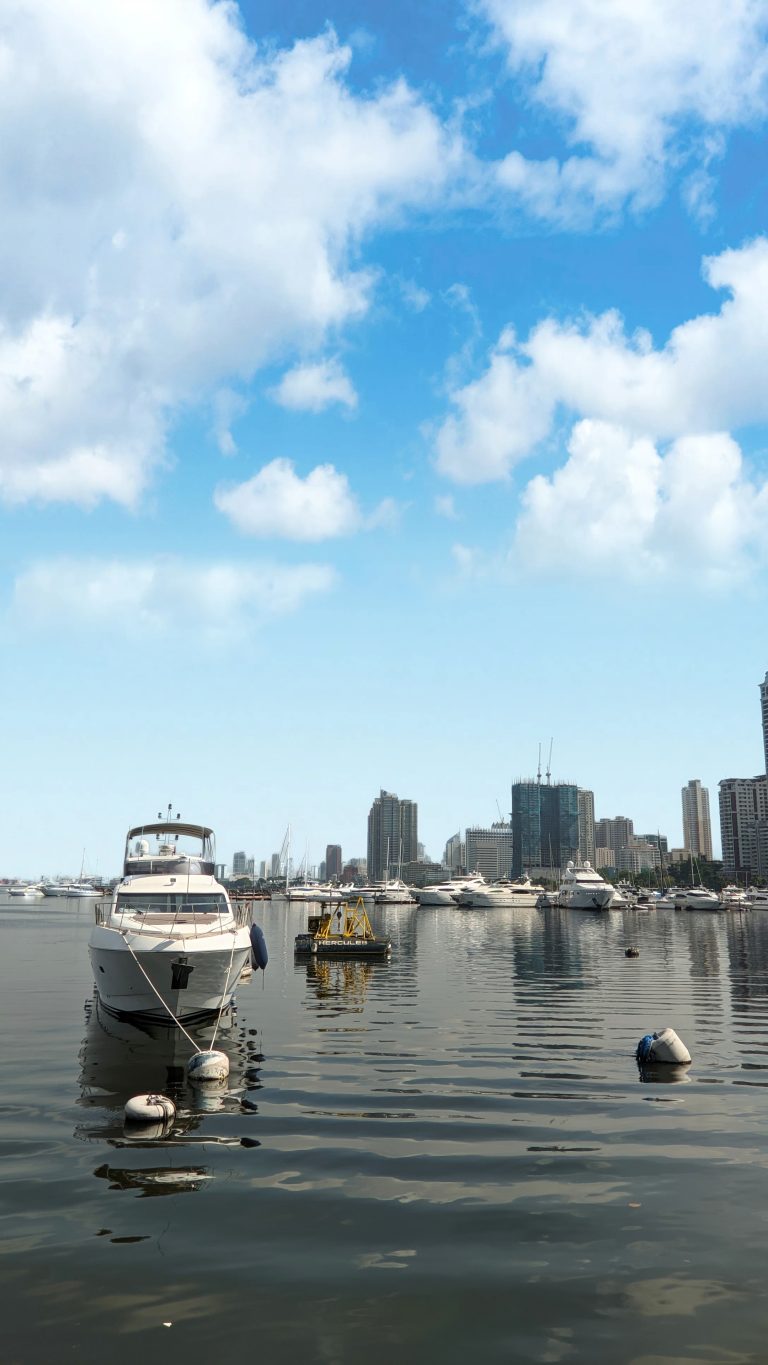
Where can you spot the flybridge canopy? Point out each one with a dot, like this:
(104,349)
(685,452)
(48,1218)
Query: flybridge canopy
(171,827)
(172,854)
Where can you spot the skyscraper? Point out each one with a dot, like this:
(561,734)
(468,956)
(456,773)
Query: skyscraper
(333,863)
(239,864)
(586,825)
(697,831)
(392,834)
(489,851)
(744,825)
(764,710)
(545,825)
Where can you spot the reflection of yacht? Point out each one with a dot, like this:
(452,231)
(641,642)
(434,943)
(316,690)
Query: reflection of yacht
(582,888)
(120,1058)
(448,893)
(518,894)
(169,947)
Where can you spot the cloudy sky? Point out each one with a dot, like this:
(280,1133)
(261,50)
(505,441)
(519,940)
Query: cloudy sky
(383,391)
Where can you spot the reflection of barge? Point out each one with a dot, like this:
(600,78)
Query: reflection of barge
(342,932)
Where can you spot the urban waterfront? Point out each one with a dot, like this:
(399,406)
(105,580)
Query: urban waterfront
(452,1153)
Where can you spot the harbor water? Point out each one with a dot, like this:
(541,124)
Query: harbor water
(450,1156)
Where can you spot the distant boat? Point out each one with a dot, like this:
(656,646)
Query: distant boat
(697,898)
(518,895)
(71,890)
(448,893)
(28,891)
(582,888)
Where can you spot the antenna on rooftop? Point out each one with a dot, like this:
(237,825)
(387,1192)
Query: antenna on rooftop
(549,763)
(538,774)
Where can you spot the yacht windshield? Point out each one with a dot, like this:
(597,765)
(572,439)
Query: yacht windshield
(161,903)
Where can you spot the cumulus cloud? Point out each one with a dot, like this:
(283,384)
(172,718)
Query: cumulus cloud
(179,208)
(313,387)
(278,502)
(164,594)
(618,505)
(709,376)
(639,86)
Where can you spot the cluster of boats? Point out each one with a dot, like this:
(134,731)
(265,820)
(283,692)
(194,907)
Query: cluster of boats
(581,888)
(69,890)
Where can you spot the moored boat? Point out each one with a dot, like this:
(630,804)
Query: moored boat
(520,894)
(344,932)
(582,888)
(169,948)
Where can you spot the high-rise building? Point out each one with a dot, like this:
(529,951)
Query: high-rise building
(274,865)
(545,825)
(262,869)
(744,825)
(697,831)
(239,864)
(659,844)
(489,851)
(333,863)
(392,834)
(764,711)
(617,834)
(455,853)
(586,825)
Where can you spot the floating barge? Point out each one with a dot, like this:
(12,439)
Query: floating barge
(342,931)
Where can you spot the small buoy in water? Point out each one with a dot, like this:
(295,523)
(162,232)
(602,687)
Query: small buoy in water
(632,952)
(150,1109)
(663,1046)
(208,1066)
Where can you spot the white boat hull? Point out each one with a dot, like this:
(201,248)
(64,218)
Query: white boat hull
(599,898)
(437,897)
(193,977)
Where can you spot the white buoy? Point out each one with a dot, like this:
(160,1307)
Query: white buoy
(667,1047)
(150,1109)
(663,1046)
(208,1066)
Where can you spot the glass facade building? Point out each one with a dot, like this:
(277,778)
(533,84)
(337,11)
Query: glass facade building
(545,825)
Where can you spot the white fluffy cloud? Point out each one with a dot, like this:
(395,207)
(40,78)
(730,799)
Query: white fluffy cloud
(617,505)
(709,376)
(164,594)
(278,502)
(313,387)
(641,85)
(178,207)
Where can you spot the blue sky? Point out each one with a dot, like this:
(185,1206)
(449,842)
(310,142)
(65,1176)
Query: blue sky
(382,392)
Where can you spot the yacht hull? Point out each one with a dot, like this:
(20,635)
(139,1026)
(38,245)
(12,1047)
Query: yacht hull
(194,979)
(598,899)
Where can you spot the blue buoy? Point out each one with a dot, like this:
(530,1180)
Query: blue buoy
(259,954)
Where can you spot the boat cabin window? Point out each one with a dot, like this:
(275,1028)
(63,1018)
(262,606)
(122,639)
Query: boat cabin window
(160,903)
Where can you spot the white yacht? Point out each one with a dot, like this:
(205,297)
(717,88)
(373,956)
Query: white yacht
(519,895)
(74,890)
(393,891)
(697,898)
(448,893)
(582,888)
(756,898)
(169,947)
(28,891)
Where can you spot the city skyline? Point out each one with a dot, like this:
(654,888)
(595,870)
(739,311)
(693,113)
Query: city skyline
(378,403)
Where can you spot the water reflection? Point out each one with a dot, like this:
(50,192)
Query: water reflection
(120,1059)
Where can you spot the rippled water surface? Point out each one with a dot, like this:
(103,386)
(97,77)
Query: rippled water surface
(449,1157)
